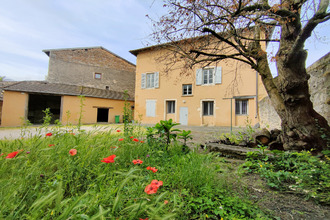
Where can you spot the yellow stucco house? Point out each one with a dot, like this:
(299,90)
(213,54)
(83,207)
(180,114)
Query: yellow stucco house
(220,94)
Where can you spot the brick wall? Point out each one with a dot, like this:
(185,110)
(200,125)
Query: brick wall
(77,67)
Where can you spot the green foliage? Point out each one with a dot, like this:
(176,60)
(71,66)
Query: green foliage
(128,116)
(298,172)
(45,182)
(164,132)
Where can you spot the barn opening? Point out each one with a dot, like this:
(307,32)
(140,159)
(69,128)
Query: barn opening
(39,103)
(102,114)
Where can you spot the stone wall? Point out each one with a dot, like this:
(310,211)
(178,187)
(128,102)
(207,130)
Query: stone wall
(319,87)
(78,66)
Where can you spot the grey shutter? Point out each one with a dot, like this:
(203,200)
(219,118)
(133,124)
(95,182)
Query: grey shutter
(151,108)
(156,80)
(199,76)
(218,75)
(143,81)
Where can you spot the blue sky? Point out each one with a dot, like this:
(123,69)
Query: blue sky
(29,26)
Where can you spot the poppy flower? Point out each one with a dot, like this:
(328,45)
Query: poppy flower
(51,145)
(151,189)
(157,183)
(118,130)
(121,139)
(73,152)
(49,134)
(137,161)
(72,133)
(1,154)
(131,137)
(166,202)
(12,154)
(143,218)
(113,147)
(109,159)
(153,169)
(142,141)
(136,140)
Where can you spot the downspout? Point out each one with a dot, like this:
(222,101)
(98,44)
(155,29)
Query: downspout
(256,116)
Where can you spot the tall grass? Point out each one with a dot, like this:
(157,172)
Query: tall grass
(45,181)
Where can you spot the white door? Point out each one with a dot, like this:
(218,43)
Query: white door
(184,115)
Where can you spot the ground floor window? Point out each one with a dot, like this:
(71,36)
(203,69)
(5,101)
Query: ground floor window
(208,108)
(170,107)
(241,107)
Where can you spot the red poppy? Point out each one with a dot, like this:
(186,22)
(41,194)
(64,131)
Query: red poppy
(136,140)
(109,159)
(121,139)
(12,154)
(131,137)
(157,183)
(73,152)
(153,169)
(51,145)
(142,141)
(166,202)
(118,130)
(151,189)
(72,133)
(143,218)
(113,147)
(49,134)
(1,154)
(137,161)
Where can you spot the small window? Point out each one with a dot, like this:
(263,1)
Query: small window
(97,75)
(241,107)
(107,87)
(187,89)
(170,107)
(208,108)
(208,76)
(150,80)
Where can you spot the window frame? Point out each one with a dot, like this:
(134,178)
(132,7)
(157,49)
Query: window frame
(239,106)
(98,74)
(170,106)
(150,80)
(187,89)
(210,108)
(207,78)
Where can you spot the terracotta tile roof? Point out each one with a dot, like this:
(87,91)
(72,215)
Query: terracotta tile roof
(43,87)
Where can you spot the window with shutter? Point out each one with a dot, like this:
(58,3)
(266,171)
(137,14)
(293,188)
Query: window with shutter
(150,80)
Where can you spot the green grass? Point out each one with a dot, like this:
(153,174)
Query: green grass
(47,182)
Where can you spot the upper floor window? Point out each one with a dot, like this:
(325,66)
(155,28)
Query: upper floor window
(208,107)
(97,75)
(170,107)
(241,107)
(150,80)
(209,76)
(187,89)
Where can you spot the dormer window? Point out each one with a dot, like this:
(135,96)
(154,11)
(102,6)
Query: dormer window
(97,75)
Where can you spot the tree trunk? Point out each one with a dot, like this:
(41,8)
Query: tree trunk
(302,127)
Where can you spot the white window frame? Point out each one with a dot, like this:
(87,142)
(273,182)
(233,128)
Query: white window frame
(239,107)
(185,89)
(150,80)
(210,103)
(209,76)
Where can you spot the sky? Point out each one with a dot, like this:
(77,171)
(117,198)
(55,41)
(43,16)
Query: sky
(29,26)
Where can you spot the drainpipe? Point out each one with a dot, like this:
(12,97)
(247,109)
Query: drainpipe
(256,116)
